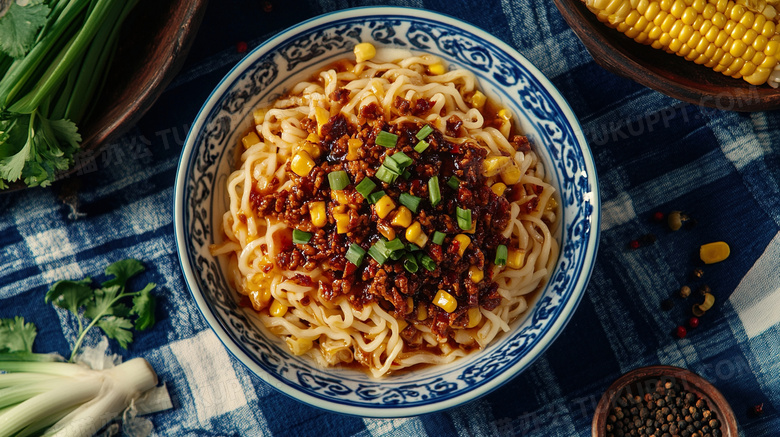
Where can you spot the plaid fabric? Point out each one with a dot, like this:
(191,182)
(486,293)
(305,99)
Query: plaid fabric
(653,154)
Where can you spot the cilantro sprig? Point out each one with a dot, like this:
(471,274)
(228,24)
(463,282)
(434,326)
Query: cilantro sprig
(16,336)
(110,307)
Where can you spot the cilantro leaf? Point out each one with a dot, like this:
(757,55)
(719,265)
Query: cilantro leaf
(12,161)
(16,336)
(19,27)
(143,307)
(117,328)
(123,270)
(70,295)
(102,303)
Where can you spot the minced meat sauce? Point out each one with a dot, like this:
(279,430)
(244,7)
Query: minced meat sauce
(390,284)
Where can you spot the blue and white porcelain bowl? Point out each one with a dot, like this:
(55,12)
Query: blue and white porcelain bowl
(266,73)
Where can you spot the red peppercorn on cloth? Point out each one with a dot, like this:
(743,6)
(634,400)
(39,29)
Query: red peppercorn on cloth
(654,155)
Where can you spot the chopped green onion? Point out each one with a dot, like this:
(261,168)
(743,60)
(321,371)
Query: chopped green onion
(438,237)
(374,197)
(365,187)
(355,254)
(501,254)
(410,263)
(338,180)
(395,244)
(411,247)
(410,201)
(398,254)
(433,190)
(401,158)
(377,253)
(301,237)
(421,146)
(424,132)
(386,139)
(406,175)
(453,182)
(428,263)
(386,175)
(464,218)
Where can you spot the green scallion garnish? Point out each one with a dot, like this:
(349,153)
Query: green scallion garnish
(406,175)
(410,201)
(300,237)
(402,159)
(395,244)
(365,187)
(378,253)
(411,247)
(386,139)
(386,175)
(374,197)
(501,254)
(428,263)
(421,146)
(424,132)
(410,263)
(438,237)
(453,182)
(338,180)
(464,218)
(355,254)
(433,190)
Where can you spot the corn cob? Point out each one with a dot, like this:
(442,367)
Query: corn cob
(738,38)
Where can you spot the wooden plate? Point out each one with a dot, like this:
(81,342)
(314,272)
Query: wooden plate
(645,378)
(661,71)
(154,43)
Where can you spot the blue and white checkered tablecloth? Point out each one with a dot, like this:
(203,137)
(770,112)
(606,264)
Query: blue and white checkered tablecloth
(653,153)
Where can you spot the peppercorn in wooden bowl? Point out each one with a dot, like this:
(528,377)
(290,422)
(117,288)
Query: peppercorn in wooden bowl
(663,400)
(664,72)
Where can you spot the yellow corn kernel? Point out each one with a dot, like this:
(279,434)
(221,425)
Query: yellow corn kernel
(478,100)
(302,163)
(318,215)
(409,305)
(321,115)
(299,346)
(463,241)
(445,301)
(414,234)
(551,204)
(437,68)
(402,217)
(475,316)
(402,324)
(384,206)
(506,115)
(278,309)
(476,274)
(250,140)
(515,258)
(353,145)
(714,252)
(259,116)
(312,149)
(511,174)
(313,138)
(422,312)
(498,188)
(386,231)
(339,196)
(493,165)
(342,223)
(364,51)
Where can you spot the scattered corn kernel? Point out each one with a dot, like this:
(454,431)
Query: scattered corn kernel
(250,140)
(422,312)
(384,206)
(302,163)
(478,100)
(319,217)
(551,204)
(364,51)
(714,252)
(476,274)
(409,305)
(312,149)
(386,231)
(437,68)
(353,145)
(342,223)
(445,301)
(494,165)
(278,309)
(313,138)
(339,196)
(322,116)
(506,115)
(463,242)
(515,258)
(402,324)
(475,316)
(499,188)
(414,234)
(259,116)
(511,174)
(402,217)
(299,346)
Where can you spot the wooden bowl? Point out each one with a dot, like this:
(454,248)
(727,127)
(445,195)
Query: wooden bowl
(639,381)
(661,71)
(153,45)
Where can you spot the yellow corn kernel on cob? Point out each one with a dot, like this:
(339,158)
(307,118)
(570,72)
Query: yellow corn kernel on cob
(737,38)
